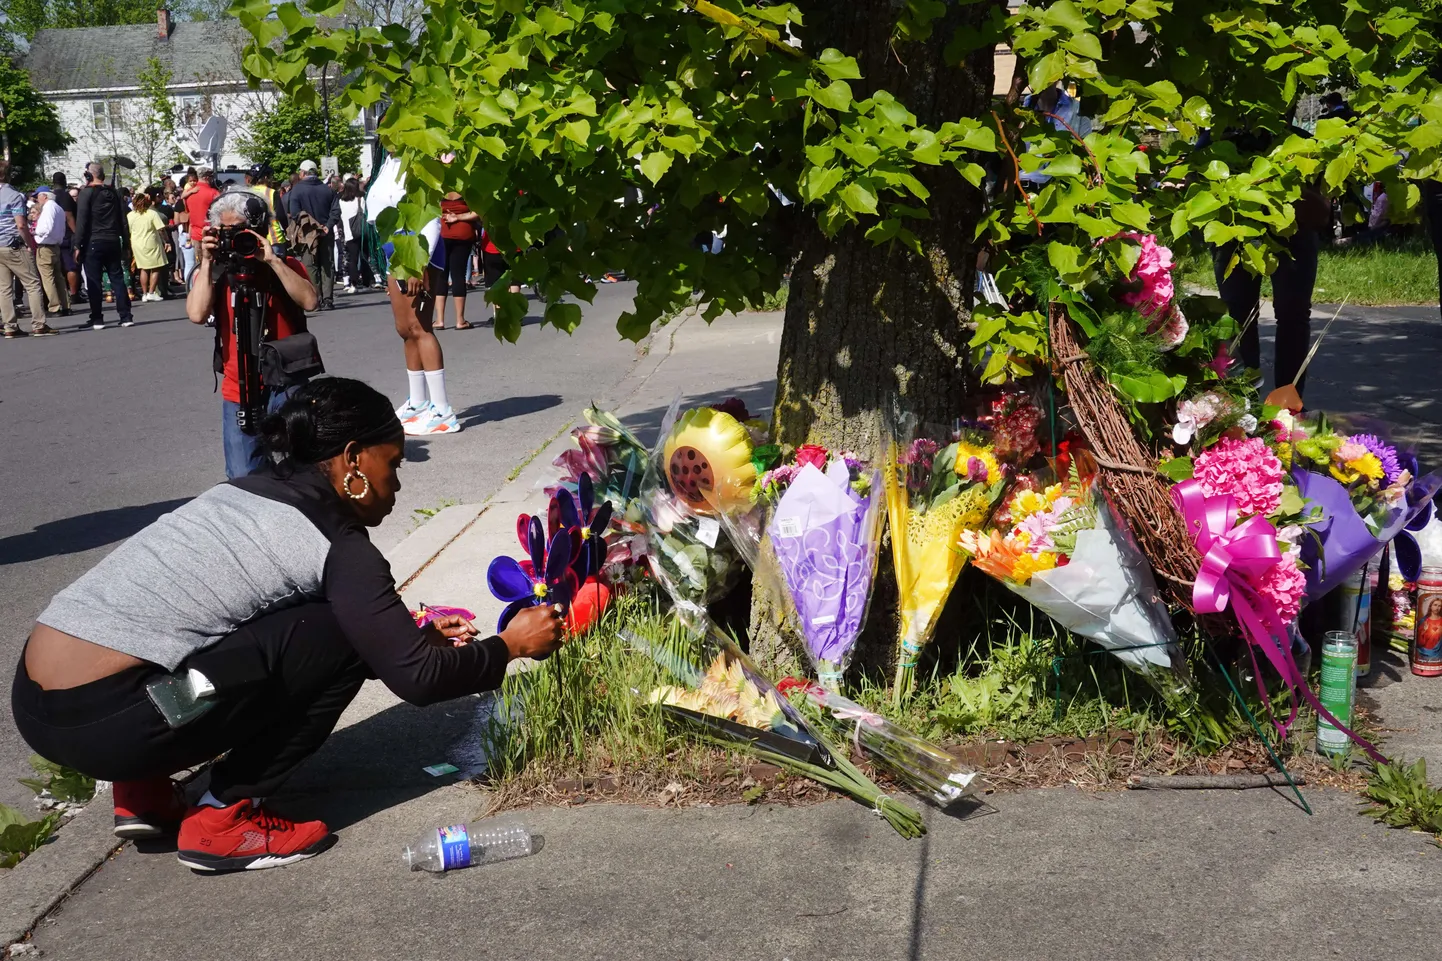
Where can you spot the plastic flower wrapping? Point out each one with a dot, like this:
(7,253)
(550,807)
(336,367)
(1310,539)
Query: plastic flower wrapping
(1365,489)
(718,693)
(938,483)
(915,761)
(813,536)
(614,460)
(702,465)
(1060,547)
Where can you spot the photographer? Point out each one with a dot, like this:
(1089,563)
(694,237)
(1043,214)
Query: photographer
(174,650)
(236,257)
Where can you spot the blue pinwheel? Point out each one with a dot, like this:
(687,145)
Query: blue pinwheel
(587,524)
(546,578)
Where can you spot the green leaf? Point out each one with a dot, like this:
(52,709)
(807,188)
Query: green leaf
(1198,111)
(1151,387)
(836,95)
(1063,259)
(1177,469)
(838,66)
(1047,70)
(562,316)
(655,164)
(858,198)
(1340,168)
(1133,215)
(1066,15)
(1085,45)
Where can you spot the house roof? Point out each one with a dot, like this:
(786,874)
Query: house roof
(108,58)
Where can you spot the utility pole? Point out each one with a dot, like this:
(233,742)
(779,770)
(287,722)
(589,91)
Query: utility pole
(325,105)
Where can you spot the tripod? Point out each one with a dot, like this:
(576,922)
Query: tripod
(247,307)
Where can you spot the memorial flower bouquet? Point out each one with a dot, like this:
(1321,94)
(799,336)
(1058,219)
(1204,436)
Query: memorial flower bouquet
(1060,547)
(701,467)
(938,483)
(815,532)
(730,701)
(1366,491)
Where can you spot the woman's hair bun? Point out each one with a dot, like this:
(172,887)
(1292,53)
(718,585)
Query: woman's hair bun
(325,415)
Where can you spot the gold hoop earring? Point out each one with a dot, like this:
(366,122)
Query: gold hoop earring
(365,485)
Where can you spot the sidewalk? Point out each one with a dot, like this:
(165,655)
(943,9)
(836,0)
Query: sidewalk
(1047,874)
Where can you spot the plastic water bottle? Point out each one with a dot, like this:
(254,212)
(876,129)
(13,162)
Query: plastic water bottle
(465,845)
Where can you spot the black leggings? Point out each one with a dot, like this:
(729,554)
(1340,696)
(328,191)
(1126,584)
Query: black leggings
(1292,285)
(452,281)
(303,674)
(357,271)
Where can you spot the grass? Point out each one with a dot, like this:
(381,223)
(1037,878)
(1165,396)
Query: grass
(1391,273)
(1402,798)
(516,471)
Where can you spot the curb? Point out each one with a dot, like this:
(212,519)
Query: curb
(36,886)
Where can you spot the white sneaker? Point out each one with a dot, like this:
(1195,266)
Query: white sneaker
(127,323)
(349,289)
(410,411)
(436,421)
(98,325)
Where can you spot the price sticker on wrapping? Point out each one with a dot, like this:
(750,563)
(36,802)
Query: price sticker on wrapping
(789,527)
(707,530)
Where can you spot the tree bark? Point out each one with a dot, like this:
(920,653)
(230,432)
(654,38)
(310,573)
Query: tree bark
(868,326)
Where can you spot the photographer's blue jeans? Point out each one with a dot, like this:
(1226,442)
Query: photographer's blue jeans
(243,453)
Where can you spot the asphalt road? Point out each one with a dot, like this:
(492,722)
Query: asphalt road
(106,430)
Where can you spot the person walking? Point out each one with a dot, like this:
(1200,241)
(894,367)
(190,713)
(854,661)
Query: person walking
(17,261)
(312,200)
(352,220)
(458,235)
(149,246)
(50,230)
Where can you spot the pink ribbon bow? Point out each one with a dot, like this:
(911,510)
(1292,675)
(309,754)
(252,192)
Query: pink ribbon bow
(1235,557)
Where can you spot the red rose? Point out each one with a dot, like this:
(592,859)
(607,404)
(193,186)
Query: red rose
(812,454)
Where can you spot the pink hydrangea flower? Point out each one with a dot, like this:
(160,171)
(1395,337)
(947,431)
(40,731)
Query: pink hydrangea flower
(1154,270)
(1246,469)
(1284,585)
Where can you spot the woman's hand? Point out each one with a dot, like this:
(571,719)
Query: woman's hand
(455,629)
(209,240)
(414,287)
(534,632)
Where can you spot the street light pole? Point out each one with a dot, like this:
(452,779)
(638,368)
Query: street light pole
(325,105)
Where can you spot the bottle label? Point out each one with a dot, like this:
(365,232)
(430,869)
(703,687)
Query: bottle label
(455,847)
(1338,685)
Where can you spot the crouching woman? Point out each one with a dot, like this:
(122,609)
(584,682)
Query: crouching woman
(243,624)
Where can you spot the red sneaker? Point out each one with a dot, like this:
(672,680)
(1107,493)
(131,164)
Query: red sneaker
(242,837)
(147,809)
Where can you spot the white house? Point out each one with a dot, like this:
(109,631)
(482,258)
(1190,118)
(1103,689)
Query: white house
(92,75)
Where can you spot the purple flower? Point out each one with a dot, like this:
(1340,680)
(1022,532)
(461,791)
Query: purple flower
(976,471)
(587,527)
(923,449)
(1385,452)
(546,578)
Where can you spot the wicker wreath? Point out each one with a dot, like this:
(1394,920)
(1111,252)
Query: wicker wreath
(1129,471)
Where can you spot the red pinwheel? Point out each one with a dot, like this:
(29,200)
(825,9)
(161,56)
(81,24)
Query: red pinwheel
(546,578)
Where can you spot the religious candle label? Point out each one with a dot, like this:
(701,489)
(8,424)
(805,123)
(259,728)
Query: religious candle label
(1427,636)
(1339,665)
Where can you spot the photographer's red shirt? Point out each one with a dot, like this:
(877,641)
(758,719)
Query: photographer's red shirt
(283,317)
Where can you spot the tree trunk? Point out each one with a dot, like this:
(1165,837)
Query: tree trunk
(868,326)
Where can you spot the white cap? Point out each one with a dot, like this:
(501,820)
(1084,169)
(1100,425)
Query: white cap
(307,165)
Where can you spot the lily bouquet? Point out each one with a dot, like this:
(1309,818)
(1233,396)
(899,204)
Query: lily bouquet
(816,532)
(613,461)
(730,701)
(938,483)
(1368,492)
(1059,547)
(702,466)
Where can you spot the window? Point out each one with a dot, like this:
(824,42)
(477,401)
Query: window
(194,111)
(106,114)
